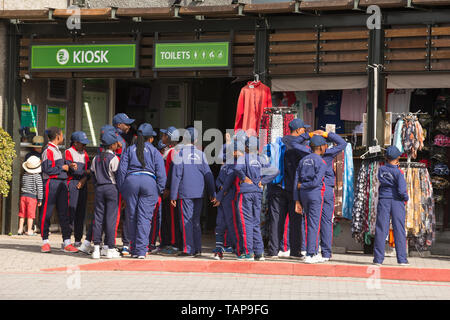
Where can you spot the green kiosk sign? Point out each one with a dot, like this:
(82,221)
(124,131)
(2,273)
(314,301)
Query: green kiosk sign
(83,57)
(192,55)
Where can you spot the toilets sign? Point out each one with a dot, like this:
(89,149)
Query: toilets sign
(83,57)
(192,55)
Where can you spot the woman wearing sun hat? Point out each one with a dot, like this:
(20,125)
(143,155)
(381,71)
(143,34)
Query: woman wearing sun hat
(31,193)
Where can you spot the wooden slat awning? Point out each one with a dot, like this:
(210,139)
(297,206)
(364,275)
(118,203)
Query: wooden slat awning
(267,8)
(210,11)
(384,3)
(327,5)
(24,14)
(86,14)
(146,13)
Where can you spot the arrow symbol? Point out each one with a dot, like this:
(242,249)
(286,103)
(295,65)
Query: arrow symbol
(204,54)
(211,54)
(195,54)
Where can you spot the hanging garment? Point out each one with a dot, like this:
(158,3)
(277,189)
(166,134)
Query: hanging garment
(398,135)
(348,192)
(441,140)
(328,110)
(300,103)
(254,97)
(412,137)
(358,211)
(277,127)
(309,109)
(399,101)
(265,126)
(373,197)
(338,165)
(275,151)
(354,104)
(288,117)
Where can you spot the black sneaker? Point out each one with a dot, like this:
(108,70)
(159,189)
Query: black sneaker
(259,257)
(185,254)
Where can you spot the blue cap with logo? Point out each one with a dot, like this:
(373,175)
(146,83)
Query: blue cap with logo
(107,127)
(146,130)
(79,136)
(122,118)
(392,152)
(252,143)
(317,141)
(297,124)
(172,132)
(191,134)
(160,145)
(108,138)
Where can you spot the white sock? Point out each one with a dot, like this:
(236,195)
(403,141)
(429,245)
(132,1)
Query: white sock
(67,242)
(45,241)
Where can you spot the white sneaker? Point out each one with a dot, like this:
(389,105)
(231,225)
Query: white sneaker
(112,254)
(404,264)
(96,254)
(104,251)
(313,259)
(284,254)
(85,248)
(141,257)
(303,253)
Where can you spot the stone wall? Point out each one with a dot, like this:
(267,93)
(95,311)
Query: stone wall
(32,4)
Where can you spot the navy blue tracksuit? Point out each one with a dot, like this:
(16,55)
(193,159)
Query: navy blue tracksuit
(280,206)
(226,226)
(77,197)
(141,189)
(55,192)
(310,174)
(392,195)
(248,200)
(190,175)
(104,168)
(296,149)
(326,225)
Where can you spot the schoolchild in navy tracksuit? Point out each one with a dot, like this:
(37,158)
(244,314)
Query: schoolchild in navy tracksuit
(308,191)
(190,174)
(76,182)
(281,202)
(104,167)
(226,223)
(141,180)
(326,224)
(122,124)
(249,175)
(170,225)
(54,176)
(392,197)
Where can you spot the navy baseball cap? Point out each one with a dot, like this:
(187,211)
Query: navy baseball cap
(191,133)
(317,141)
(107,127)
(252,143)
(297,124)
(392,152)
(108,138)
(146,130)
(79,136)
(170,131)
(122,118)
(161,145)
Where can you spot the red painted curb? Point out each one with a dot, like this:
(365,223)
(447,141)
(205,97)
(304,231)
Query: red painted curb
(270,268)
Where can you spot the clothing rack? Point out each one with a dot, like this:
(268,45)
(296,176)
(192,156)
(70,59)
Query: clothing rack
(412,115)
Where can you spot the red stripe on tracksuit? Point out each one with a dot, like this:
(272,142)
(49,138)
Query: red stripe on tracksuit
(172,217)
(155,210)
(184,229)
(233,207)
(322,191)
(244,233)
(47,187)
(225,238)
(286,224)
(118,218)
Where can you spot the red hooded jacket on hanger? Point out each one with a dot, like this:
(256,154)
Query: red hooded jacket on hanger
(254,97)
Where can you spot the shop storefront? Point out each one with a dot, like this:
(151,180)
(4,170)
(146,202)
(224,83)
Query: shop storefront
(316,65)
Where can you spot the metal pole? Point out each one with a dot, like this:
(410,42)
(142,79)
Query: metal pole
(261,51)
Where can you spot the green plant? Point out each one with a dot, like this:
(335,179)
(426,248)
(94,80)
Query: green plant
(7,155)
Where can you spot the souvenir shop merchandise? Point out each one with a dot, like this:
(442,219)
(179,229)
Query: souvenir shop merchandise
(408,135)
(275,122)
(344,185)
(443,126)
(329,110)
(441,140)
(354,104)
(441,169)
(398,100)
(420,219)
(253,99)
(306,104)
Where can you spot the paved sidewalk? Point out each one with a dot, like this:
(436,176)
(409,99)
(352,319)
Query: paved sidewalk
(22,277)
